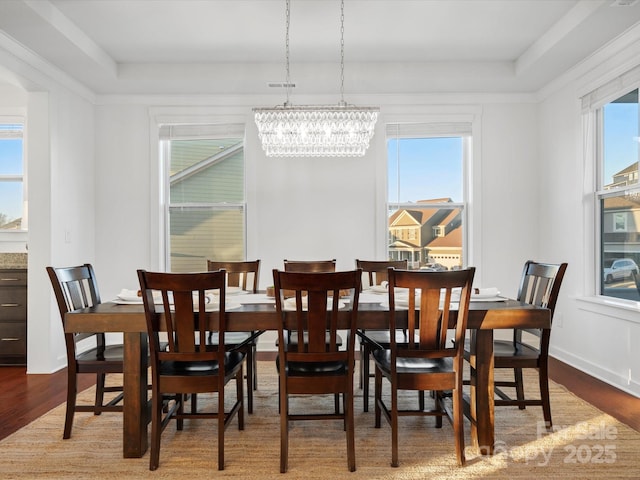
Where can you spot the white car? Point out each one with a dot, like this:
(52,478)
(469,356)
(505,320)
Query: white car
(619,269)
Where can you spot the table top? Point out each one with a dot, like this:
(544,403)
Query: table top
(112,317)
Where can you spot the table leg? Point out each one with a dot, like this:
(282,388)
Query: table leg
(482,401)
(135,441)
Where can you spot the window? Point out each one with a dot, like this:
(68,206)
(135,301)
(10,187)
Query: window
(427,193)
(618,196)
(205,195)
(12,191)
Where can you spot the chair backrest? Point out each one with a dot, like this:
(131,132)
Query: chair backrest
(428,301)
(540,286)
(76,288)
(313,313)
(239,274)
(375,271)
(177,303)
(317,266)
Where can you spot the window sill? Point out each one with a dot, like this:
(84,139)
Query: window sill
(612,307)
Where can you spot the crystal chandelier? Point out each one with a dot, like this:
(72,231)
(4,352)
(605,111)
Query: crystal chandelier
(316,130)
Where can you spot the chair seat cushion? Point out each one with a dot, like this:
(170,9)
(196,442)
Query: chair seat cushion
(293,339)
(506,348)
(112,353)
(314,368)
(412,365)
(232,362)
(231,339)
(383,337)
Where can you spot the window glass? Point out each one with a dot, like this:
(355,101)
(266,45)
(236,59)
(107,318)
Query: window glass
(619,198)
(426,197)
(206,214)
(11,177)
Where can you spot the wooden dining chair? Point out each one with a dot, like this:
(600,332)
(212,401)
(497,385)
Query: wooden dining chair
(244,275)
(187,366)
(316,366)
(75,288)
(375,272)
(309,266)
(425,362)
(528,348)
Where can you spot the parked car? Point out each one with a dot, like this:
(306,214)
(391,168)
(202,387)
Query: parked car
(434,267)
(619,269)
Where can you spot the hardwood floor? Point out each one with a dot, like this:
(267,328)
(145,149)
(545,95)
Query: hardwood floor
(24,398)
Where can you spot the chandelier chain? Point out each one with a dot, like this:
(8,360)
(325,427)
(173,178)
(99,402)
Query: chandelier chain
(288,79)
(342,52)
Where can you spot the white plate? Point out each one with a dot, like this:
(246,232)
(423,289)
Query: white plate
(378,289)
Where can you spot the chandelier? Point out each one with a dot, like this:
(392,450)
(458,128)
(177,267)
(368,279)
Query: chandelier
(340,130)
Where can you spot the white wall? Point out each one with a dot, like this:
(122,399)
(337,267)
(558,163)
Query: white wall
(590,333)
(61,211)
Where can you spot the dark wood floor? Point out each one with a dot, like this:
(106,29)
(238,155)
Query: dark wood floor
(24,398)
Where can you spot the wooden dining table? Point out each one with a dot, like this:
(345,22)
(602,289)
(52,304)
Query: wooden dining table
(484,318)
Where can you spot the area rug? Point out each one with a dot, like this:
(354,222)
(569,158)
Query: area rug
(584,444)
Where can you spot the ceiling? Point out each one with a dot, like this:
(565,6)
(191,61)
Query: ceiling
(238,46)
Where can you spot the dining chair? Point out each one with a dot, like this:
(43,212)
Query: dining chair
(375,273)
(425,362)
(187,366)
(309,266)
(244,275)
(74,288)
(528,348)
(316,365)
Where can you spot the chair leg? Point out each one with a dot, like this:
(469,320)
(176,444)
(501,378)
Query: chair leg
(156,430)
(255,365)
(250,378)
(394,426)
(458,425)
(72,387)
(240,398)
(365,377)
(221,418)
(377,397)
(349,416)
(284,428)
(439,406)
(100,379)
(519,387)
(544,394)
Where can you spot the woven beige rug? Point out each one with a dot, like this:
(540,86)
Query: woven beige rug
(586,444)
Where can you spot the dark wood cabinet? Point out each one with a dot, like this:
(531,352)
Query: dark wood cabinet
(13,317)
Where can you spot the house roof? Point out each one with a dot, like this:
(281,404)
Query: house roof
(453,239)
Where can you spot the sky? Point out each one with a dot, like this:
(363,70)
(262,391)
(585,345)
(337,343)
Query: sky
(620,139)
(429,168)
(11,164)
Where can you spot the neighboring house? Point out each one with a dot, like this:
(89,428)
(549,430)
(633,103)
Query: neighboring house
(621,219)
(426,233)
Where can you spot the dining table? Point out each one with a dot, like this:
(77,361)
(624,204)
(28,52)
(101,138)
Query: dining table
(255,312)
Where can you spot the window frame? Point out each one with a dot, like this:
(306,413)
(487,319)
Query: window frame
(438,128)
(195,131)
(22,178)
(595,111)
